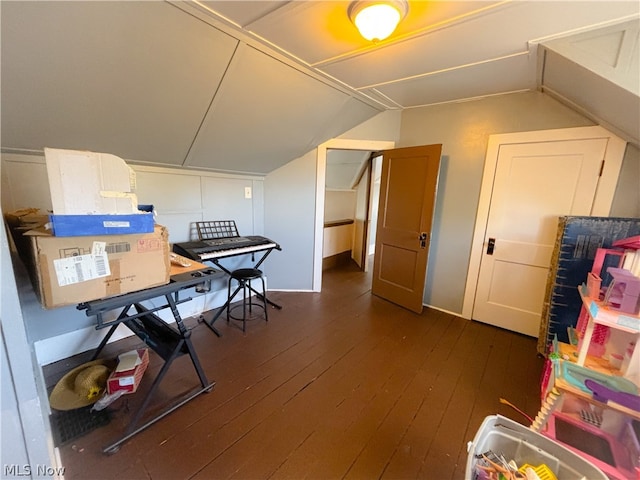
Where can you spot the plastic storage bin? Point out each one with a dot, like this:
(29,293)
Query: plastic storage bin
(516,442)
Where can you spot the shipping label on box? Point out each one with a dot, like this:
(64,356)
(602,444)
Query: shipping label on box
(80,268)
(72,270)
(129,372)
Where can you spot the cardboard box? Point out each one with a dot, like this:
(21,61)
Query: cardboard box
(21,221)
(129,372)
(71,270)
(88,183)
(26,218)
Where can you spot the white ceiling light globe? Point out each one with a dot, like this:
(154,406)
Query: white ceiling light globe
(376,22)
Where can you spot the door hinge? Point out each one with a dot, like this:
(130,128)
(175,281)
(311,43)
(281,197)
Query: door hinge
(601,168)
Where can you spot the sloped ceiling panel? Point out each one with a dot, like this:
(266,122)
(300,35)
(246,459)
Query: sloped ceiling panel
(353,112)
(610,104)
(596,72)
(506,75)
(343,166)
(612,52)
(129,78)
(269,109)
(245,12)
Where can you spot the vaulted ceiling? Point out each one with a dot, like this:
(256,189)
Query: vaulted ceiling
(247,86)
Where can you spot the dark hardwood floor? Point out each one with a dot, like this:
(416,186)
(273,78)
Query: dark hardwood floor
(340,384)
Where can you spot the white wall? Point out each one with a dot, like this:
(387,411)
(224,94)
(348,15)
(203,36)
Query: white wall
(337,239)
(26,433)
(339,205)
(626,203)
(290,196)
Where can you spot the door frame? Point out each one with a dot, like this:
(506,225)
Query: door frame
(602,202)
(321,170)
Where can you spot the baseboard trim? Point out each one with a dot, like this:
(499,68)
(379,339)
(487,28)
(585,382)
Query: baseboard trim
(337,260)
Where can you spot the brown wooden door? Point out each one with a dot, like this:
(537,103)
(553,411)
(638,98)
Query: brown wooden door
(407,197)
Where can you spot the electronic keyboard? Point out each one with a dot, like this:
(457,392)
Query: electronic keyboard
(223,247)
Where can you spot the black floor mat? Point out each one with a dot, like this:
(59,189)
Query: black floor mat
(71,424)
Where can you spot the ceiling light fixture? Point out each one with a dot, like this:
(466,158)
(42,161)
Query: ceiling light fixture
(377,19)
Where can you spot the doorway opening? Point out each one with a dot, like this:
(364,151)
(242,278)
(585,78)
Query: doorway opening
(406,201)
(352,190)
(344,167)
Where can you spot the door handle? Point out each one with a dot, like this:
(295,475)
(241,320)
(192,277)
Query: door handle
(423,239)
(491,244)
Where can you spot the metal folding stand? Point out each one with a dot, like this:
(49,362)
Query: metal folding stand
(169,343)
(262,297)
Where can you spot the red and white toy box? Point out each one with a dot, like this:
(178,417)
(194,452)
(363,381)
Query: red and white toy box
(129,372)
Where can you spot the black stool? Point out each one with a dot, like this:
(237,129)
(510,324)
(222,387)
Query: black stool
(244,276)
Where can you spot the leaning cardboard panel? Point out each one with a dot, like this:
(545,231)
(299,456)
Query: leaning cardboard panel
(577,241)
(89,183)
(70,270)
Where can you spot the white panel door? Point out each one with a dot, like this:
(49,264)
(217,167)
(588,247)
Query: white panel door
(534,184)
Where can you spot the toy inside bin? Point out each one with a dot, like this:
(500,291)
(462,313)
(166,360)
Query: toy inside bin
(514,441)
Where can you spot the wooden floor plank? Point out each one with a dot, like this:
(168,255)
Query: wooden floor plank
(381,447)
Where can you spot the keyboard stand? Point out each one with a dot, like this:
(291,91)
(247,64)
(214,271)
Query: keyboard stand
(169,343)
(216,262)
